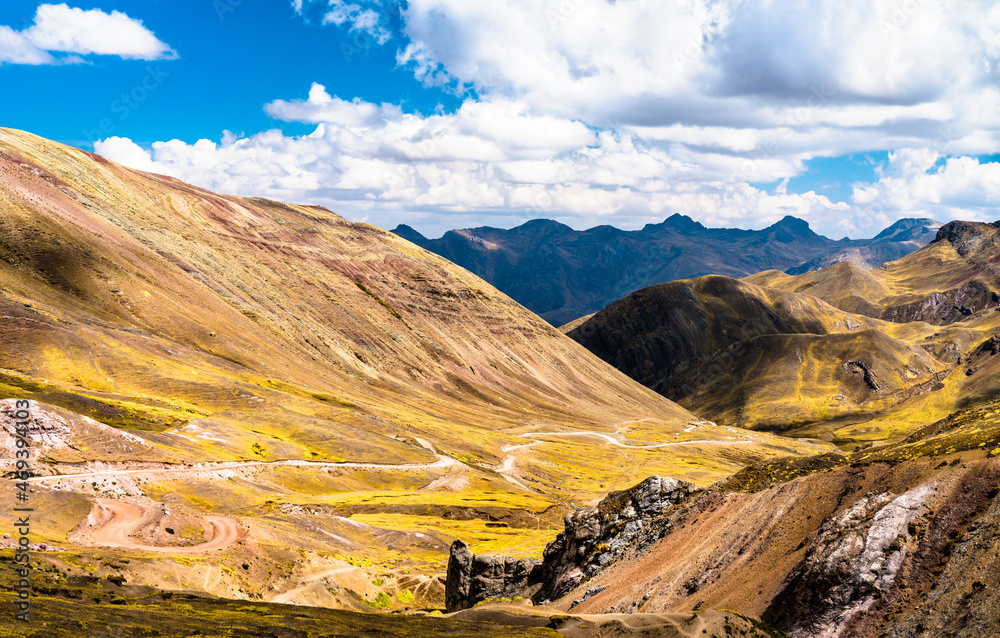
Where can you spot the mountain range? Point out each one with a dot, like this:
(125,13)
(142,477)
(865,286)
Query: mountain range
(842,353)
(562,274)
(312,407)
(894,535)
(260,415)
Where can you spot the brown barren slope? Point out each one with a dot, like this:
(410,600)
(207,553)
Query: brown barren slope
(896,540)
(150,304)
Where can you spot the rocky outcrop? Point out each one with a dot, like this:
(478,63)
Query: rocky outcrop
(473,579)
(942,308)
(856,555)
(60,434)
(624,523)
(864,369)
(965,236)
(990,347)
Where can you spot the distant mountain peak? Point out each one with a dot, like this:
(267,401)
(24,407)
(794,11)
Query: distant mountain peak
(409,234)
(966,236)
(908,228)
(682,222)
(790,222)
(678,217)
(790,228)
(544,225)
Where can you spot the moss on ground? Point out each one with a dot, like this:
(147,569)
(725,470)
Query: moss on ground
(167,616)
(971,429)
(502,541)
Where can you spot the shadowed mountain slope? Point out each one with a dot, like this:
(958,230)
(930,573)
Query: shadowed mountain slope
(652,331)
(563,274)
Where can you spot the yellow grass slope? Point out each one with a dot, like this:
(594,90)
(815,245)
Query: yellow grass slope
(941,301)
(953,277)
(228,327)
(841,354)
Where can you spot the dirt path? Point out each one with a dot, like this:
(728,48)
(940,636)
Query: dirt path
(509,463)
(441,462)
(456,480)
(288,596)
(610,439)
(125,519)
(507,467)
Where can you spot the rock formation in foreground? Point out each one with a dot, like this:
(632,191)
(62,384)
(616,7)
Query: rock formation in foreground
(899,540)
(621,525)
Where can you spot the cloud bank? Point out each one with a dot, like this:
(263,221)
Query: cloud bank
(592,111)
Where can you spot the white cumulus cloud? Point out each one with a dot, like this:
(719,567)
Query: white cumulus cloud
(489,158)
(922,183)
(367,19)
(17,49)
(125,151)
(623,112)
(63,29)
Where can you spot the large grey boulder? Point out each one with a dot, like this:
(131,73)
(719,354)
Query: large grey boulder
(625,522)
(473,579)
(628,521)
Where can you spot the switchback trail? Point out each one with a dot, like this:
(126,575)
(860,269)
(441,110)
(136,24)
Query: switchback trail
(125,519)
(287,597)
(506,467)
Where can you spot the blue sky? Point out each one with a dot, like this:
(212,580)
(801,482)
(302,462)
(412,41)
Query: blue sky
(833,176)
(457,113)
(232,58)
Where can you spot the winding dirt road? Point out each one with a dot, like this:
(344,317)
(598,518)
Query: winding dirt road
(508,466)
(113,522)
(126,518)
(610,439)
(441,462)
(509,463)
(288,596)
